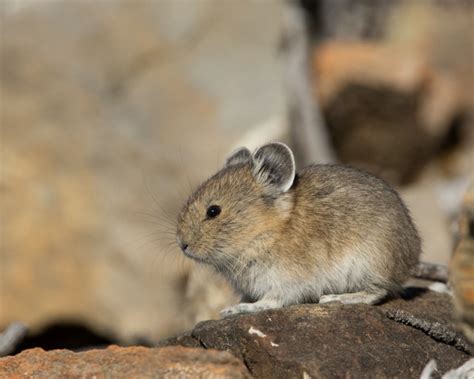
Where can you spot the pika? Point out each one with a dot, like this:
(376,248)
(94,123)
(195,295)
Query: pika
(327,233)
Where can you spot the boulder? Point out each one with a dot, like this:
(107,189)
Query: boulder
(462,268)
(119,362)
(396,339)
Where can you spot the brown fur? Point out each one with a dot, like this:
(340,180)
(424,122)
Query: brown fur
(334,222)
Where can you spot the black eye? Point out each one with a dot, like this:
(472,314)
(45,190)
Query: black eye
(213,211)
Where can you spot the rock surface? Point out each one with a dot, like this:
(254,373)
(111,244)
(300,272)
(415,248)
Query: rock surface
(396,339)
(462,267)
(119,362)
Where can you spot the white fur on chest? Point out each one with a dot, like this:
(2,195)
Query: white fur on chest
(349,274)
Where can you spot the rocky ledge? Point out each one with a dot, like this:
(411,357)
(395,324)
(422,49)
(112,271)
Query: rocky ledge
(395,339)
(123,362)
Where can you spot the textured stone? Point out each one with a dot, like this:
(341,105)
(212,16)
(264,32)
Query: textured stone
(119,362)
(334,340)
(462,268)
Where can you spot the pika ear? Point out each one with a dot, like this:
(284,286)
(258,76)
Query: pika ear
(274,165)
(240,155)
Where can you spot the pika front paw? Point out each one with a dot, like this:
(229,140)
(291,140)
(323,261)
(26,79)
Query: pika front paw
(250,307)
(329,299)
(236,309)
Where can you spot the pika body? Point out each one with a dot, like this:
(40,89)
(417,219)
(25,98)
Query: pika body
(327,233)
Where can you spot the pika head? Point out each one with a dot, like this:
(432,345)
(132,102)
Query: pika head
(234,215)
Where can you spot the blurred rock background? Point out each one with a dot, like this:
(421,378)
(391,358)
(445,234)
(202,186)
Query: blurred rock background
(112,111)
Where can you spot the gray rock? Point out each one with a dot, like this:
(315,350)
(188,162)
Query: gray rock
(327,341)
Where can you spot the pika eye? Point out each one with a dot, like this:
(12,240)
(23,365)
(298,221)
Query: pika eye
(213,211)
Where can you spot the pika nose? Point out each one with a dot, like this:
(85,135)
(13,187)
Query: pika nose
(183,246)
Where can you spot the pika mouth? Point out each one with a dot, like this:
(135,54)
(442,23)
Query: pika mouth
(187,252)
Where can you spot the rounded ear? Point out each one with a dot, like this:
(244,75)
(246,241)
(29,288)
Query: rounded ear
(240,155)
(274,166)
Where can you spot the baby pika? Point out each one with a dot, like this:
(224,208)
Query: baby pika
(327,233)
